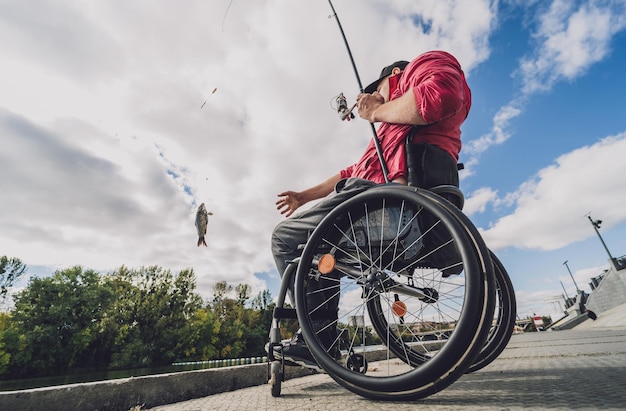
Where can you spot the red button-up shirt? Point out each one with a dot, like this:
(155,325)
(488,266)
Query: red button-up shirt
(443,99)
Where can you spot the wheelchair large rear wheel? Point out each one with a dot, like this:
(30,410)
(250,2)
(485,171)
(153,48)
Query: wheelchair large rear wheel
(505,312)
(504,317)
(368,285)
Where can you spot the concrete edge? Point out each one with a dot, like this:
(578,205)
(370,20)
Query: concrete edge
(147,391)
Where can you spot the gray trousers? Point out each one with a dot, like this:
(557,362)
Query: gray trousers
(293,231)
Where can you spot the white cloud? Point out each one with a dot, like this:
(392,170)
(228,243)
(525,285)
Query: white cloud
(462,28)
(477,202)
(570,39)
(39,31)
(550,209)
(107,153)
(500,131)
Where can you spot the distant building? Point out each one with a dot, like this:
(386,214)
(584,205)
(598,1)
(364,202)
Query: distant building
(608,288)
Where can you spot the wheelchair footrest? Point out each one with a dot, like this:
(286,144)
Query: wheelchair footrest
(321,314)
(280,313)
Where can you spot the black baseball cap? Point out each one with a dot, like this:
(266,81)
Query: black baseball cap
(384,73)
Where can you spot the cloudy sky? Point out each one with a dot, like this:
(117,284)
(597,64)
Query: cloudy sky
(110,135)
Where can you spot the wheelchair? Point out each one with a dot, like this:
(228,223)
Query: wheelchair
(407,290)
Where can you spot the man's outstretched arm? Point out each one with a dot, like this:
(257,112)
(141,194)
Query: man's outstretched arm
(290,201)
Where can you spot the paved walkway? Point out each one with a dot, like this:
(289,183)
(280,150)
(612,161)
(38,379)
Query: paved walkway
(577,369)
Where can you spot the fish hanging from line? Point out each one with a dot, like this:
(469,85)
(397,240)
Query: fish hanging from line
(202,219)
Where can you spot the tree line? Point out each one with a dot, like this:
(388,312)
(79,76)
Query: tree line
(79,319)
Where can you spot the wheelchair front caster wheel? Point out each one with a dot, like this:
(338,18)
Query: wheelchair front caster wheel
(356,362)
(276,378)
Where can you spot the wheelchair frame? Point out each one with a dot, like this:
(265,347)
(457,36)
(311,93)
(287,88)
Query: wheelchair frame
(485,318)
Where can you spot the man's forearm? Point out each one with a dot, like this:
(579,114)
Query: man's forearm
(402,110)
(321,190)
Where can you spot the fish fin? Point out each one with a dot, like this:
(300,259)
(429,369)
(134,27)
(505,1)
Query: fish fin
(204,242)
(200,241)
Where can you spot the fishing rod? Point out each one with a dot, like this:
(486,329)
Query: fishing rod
(343,107)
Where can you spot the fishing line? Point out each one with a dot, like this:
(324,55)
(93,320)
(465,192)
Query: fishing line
(345,40)
(379,150)
(213,92)
(225,13)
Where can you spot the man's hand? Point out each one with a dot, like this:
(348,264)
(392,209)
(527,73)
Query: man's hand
(289,202)
(368,103)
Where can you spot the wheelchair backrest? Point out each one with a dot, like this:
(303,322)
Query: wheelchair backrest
(431,168)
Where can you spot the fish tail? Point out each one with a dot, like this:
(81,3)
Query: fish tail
(201,240)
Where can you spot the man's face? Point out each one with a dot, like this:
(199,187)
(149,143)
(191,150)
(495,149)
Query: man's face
(383,88)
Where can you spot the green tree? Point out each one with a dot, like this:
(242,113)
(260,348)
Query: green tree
(5,356)
(151,315)
(202,336)
(263,306)
(132,317)
(11,269)
(262,301)
(236,321)
(54,326)
(221,289)
(233,330)
(243,293)
(244,330)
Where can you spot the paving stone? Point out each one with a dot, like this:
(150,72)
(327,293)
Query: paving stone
(564,370)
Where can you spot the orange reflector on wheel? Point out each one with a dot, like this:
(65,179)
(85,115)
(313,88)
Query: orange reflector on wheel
(399,308)
(326,264)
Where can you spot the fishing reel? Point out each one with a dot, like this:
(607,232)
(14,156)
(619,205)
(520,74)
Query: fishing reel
(344,112)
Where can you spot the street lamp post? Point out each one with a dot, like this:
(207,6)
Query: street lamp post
(596,225)
(566,297)
(562,286)
(570,274)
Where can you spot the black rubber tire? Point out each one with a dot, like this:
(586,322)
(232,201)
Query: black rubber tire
(471,327)
(418,355)
(505,309)
(505,315)
(276,378)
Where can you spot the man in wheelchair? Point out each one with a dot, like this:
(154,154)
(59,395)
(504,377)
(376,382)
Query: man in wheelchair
(423,103)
